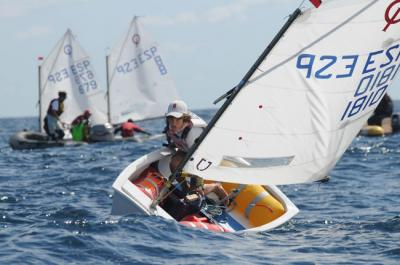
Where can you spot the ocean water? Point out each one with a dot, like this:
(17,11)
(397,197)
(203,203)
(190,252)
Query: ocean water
(55,209)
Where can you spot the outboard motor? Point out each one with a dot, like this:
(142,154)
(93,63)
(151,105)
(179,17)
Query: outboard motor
(101,133)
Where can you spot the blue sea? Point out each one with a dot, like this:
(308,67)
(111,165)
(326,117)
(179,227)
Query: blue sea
(55,209)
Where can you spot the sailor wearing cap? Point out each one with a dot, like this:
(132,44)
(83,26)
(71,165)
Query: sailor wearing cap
(181,133)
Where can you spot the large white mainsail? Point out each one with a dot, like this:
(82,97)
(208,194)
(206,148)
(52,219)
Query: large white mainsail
(296,114)
(140,86)
(68,68)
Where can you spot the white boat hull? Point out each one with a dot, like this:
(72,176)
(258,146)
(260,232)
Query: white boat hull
(140,138)
(130,199)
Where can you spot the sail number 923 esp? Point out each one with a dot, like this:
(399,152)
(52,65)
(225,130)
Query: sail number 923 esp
(373,71)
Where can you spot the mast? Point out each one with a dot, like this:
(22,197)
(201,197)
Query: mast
(230,97)
(108,91)
(40,97)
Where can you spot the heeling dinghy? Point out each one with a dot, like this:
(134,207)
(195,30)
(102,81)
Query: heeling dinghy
(291,117)
(255,207)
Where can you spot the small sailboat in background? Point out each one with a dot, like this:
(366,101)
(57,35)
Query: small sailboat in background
(289,120)
(67,68)
(140,86)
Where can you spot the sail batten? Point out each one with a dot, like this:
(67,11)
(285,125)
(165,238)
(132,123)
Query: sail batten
(305,102)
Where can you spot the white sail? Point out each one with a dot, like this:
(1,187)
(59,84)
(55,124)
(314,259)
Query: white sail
(140,86)
(305,103)
(68,68)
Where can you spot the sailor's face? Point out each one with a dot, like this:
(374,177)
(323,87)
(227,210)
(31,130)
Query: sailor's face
(175,124)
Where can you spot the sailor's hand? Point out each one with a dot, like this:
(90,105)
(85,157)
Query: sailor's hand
(170,145)
(200,191)
(65,125)
(191,197)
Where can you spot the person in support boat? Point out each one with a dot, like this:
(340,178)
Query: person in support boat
(384,110)
(181,135)
(129,128)
(80,127)
(52,119)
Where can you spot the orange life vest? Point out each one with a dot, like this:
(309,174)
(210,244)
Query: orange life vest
(128,129)
(150,182)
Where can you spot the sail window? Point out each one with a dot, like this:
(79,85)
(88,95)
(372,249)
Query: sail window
(258,162)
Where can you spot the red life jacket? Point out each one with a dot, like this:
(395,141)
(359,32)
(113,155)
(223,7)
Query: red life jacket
(128,129)
(80,119)
(150,182)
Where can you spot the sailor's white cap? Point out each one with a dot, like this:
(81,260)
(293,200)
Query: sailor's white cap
(177,109)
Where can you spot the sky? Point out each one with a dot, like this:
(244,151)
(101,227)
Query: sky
(208,45)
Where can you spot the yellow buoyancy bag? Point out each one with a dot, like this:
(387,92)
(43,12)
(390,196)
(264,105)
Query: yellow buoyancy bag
(255,203)
(372,130)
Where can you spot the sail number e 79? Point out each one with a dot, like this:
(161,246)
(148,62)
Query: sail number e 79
(80,73)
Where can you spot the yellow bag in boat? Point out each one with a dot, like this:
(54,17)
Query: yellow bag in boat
(255,203)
